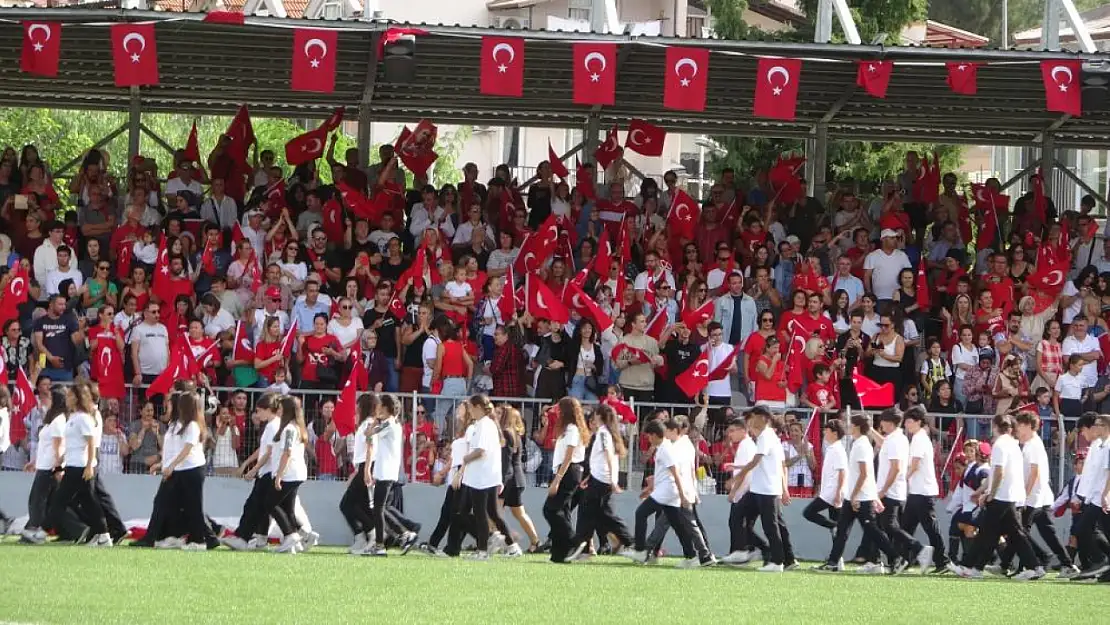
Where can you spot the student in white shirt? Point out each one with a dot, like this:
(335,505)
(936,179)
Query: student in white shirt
(1092,493)
(290,471)
(834,469)
(82,439)
(48,463)
(894,460)
(253,528)
(597,511)
(998,516)
(186,470)
(684,448)
(744,543)
(5,443)
(480,473)
(451,492)
(355,503)
(384,471)
(570,453)
(860,498)
(769,489)
(921,493)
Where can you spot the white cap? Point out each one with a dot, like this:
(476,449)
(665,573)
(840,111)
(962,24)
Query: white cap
(888,232)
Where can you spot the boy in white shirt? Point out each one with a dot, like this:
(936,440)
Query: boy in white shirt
(834,469)
(686,449)
(744,543)
(769,490)
(1092,493)
(894,459)
(922,491)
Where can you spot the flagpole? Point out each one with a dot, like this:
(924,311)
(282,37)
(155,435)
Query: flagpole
(952,451)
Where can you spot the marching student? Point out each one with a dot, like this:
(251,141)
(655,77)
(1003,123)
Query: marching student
(570,453)
(384,456)
(116,529)
(894,459)
(597,507)
(290,471)
(355,503)
(921,493)
(963,504)
(743,511)
(5,442)
(453,499)
(860,499)
(1092,494)
(163,529)
(254,523)
(668,494)
(685,449)
(769,489)
(48,466)
(999,508)
(1062,505)
(834,469)
(512,467)
(1038,496)
(82,440)
(480,474)
(186,470)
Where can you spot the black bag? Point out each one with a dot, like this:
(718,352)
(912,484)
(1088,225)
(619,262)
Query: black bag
(327,373)
(594,385)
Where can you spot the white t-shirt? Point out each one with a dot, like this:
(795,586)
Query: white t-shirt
(601,455)
(296,470)
(260,318)
(266,442)
(484,472)
(1006,453)
(1033,453)
(45,458)
(642,279)
(57,276)
(767,475)
(174,186)
(457,289)
(190,436)
(1090,468)
(745,451)
(1070,386)
(154,347)
(458,452)
(1071,312)
(895,447)
(79,426)
(924,479)
(220,322)
(861,458)
(569,438)
(963,356)
(836,460)
(387,450)
(665,490)
(171,444)
(428,355)
(717,355)
(346,334)
(884,271)
(358,455)
(686,457)
(1071,345)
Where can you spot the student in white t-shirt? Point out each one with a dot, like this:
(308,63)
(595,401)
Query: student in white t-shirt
(921,493)
(998,516)
(82,440)
(253,528)
(894,459)
(384,471)
(480,473)
(1091,493)
(744,543)
(769,489)
(287,461)
(597,511)
(685,450)
(48,463)
(834,470)
(186,470)
(450,491)
(355,503)
(570,452)
(861,498)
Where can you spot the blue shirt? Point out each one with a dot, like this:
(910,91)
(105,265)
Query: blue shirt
(303,314)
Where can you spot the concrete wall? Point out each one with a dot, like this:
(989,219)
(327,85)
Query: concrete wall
(223,497)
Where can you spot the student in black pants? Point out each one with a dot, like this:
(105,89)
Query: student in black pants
(768,489)
(82,441)
(597,514)
(834,469)
(922,490)
(355,503)
(477,481)
(384,471)
(291,472)
(254,523)
(744,543)
(186,470)
(570,453)
(48,469)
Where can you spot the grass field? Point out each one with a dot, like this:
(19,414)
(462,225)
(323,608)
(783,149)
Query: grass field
(64,584)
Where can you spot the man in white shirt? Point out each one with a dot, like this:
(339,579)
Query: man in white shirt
(1092,493)
(894,458)
(769,490)
(922,491)
(834,471)
(383,234)
(744,543)
(684,449)
(1079,342)
(46,254)
(219,208)
(183,182)
(881,267)
(998,508)
(720,391)
(65,270)
(652,273)
(150,346)
(254,232)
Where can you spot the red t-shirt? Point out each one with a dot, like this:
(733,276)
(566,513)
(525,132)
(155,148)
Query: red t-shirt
(819,394)
(199,349)
(753,347)
(896,220)
(1002,292)
(769,390)
(325,457)
(314,354)
(264,350)
(174,287)
(855,254)
(752,241)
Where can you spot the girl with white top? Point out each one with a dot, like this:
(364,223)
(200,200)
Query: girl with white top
(163,531)
(251,533)
(452,498)
(512,469)
(48,465)
(570,453)
(82,439)
(383,471)
(834,470)
(290,471)
(597,511)
(355,504)
(5,442)
(480,474)
(186,470)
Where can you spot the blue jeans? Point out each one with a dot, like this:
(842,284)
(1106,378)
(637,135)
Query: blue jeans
(452,388)
(579,391)
(392,379)
(544,472)
(58,375)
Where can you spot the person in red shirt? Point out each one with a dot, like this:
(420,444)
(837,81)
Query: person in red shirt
(820,394)
(238,407)
(1000,284)
(815,320)
(787,324)
(809,279)
(859,251)
(988,317)
(615,209)
(267,354)
(753,237)
(318,355)
(708,236)
(203,349)
(769,378)
(178,285)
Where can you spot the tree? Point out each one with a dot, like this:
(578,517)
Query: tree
(866,162)
(984,17)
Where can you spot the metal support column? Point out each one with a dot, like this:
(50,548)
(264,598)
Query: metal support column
(134,124)
(1050,25)
(817,154)
(589,138)
(365,118)
(825,11)
(1048,161)
(365,130)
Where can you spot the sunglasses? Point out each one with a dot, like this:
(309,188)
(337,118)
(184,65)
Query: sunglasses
(767,320)
(155,311)
(103,268)
(347,307)
(884,325)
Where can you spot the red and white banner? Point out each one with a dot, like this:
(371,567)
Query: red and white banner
(502,66)
(314,53)
(134,55)
(776,88)
(645,138)
(595,73)
(1062,92)
(874,77)
(686,78)
(42,46)
(963,78)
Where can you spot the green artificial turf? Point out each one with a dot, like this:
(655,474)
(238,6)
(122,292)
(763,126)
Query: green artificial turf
(64,584)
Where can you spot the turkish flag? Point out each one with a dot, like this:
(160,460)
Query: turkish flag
(160,285)
(645,138)
(23,396)
(783,176)
(506,306)
(306,147)
(610,150)
(192,147)
(123,260)
(107,369)
(241,133)
(702,314)
(1048,278)
(686,78)
(874,76)
(314,52)
(333,220)
(682,219)
(585,305)
(502,66)
(289,341)
(42,45)
(416,148)
(776,88)
(14,295)
(584,179)
(871,394)
(721,371)
(623,410)
(963,78)
(922,287)
(595,73)
(241,349)
(695,378)
(334,120)
(541,303)
(233,18)
(134,54)
(658,323)
(557,166)
(1062,91)
(604,255)
(345,414)
(181,362)
(538,246)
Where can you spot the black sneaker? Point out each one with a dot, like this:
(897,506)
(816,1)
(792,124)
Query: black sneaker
(142,543)
(407,542)
(826,568)
(899,565)
(84,537)
(1093,572)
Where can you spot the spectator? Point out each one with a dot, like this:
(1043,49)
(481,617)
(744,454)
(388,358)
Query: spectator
(17,350)
(320,355)
(145,441)
(46,256)
(637,365)
(56,335)
(150,346)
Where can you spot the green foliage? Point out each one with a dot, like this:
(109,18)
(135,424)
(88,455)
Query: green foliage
(874,17)
(984,17)
(728,18)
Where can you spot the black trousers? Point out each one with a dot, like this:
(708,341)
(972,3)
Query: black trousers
(1038,516)
(921,510)
(663,525)
(890,521)
(779,551)
(116,528)
(256,516)
(280,504)
(681,519)
(812,513)
(162,514)
(188,486)
(447,516)
(355,503)
(472,503)
(866,518)
(742,516)
(556,510)
(38,500)
(76,489)
(381,493)
(1092,542)
(997,519)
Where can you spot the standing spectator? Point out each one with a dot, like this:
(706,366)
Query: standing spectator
(414,334)
(452,370)
(1086,346)
(637,366)
(320,354)
(881,267)
(17,350)
(150,346)
(145,441)
(113,446)
(56,336)
(46,256)
(507,365)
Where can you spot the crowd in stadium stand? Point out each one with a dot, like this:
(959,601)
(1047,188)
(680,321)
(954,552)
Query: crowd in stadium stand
(915,287)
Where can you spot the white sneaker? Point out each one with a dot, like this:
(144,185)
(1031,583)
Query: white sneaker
(626,552)
(638,557)
(234,543)
(970,573)
(737,557)
(513,551)
(496,543)
(100,540)
(993,569)
(1029,575)
(358,545)
(194,547)
(925,558)
(577,551)
(1068,572)
(691,563)
(170,542)
(258,543)
(309,539)
(712,561)
(871,568)
(289,544)
(33,537)
(770,568)
(481,556)
(955,569)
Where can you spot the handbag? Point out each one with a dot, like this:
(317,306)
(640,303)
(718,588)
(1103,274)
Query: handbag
(594,385)
(326,374)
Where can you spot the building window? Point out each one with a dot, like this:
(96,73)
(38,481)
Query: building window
(333,9)
(579,9)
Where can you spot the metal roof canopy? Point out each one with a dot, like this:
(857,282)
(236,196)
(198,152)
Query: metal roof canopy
(212,68)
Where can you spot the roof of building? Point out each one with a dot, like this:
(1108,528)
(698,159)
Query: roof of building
(943,35)
(212,68)
(1097,21)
